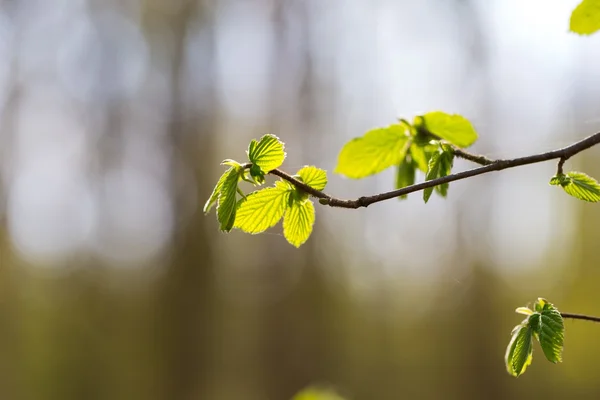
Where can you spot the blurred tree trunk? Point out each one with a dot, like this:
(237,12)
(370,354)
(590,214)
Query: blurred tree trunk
(186,298)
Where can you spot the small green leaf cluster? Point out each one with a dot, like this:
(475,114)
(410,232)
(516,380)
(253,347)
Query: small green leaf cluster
(425,145)
(545,324)
(585,18)
(578,185)
(264,208)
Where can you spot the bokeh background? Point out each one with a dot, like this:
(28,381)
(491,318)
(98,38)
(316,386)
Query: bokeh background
(115,114)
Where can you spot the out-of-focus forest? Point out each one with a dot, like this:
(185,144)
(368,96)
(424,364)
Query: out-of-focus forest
(114,116)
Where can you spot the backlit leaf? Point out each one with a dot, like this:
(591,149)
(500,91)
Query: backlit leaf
(585,18)
(227,198)
(550,331)
(519,352)
(268,153)
(372,153)
(454,128)
(298,222)
(582,186)
(313,177)
(262,209)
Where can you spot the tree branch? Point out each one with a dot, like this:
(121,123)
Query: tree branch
(580,316)
(488,166)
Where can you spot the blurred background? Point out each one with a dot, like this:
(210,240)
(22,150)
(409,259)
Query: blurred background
(115,114)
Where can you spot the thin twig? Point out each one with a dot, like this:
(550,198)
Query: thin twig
(488,166)
(580,316)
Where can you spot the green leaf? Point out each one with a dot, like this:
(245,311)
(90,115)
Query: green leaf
(227,199)
(422,154)
(550,330)
(372,153)
(262,209)
(524,310)
(405,174)
(585,18)
(519,352)
(559,180)
(268,153)
(454,128)
(298,222)
(257,174)
(580,185)
(446,160)
(217,189)
(313,177)
(440,165)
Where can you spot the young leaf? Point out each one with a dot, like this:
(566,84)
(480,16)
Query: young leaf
(585,19)
(550,331)
(524,310)
(446,160)
(313,177)
(262,209)
(422,154)
(372,153)
(440,165)
(227,201)
(405,175)
(582,186)
(215,193)
(298,222)
(268,153)
(519,352)
(454,128)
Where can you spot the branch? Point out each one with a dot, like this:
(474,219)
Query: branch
(581,316)
(562,154)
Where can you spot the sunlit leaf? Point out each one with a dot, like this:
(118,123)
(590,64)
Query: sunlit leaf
(217,189)
(298,222)
(550,330)
(454,128)
(372,153)
(262,209)
(227,199)
(313,177)
(268,153)
(585,18)
(524,310)
(582,186)
(405,174)
(519,352)
(422,154)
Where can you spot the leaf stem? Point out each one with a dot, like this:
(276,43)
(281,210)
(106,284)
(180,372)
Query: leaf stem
(580,316)
(487,166)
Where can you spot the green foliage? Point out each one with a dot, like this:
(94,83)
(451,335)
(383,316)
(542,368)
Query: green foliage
(405,174)
(454,128)
(377,150)
(519,352)
(224,194)
(440,165)
(545,324)
(585,19)
(578,185)
(313,177)
(317,393)
(298,221)
(268,153)
(262,209)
